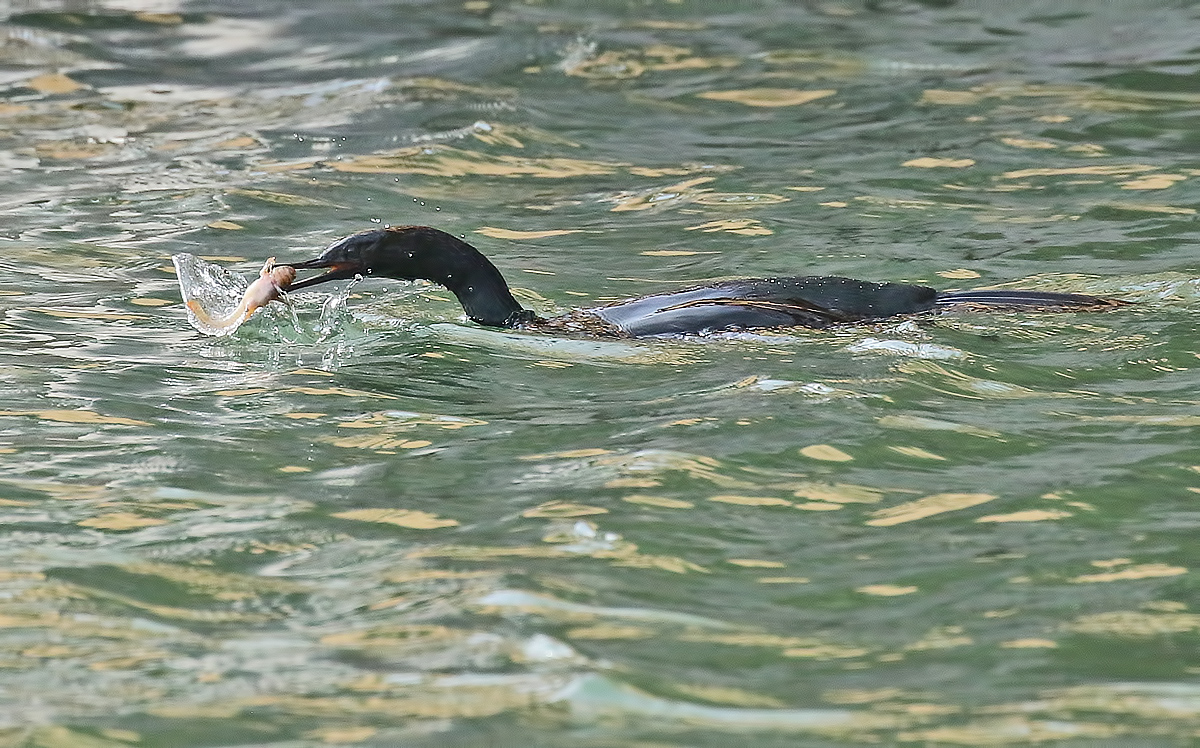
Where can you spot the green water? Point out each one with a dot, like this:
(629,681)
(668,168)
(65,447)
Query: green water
(363,520)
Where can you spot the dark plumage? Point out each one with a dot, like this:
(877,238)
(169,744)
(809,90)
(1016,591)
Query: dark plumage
(421,252)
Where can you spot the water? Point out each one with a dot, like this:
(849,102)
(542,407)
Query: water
(362,520)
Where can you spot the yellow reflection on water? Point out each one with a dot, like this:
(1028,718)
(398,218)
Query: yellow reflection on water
(563,509)
(750,500)
(53,83)
(396,418)
(75,416)
(886,590)
(1029,143)
(611,548)
(1133,623)
(609,631)
(728,695)
(498,233)
(581,61)
(1028,515)
(567,454)
(447,161)
(1140,571)
(768,97)
(217,584)
(927,507)
(932,162)
(1098,170)
(281,198)
(742,226)
(958,274)
(662,502)
(376,442)
(825,453)
(754,563)
(916,452)
(1009,731)
(410,518)
(88,314)
(1032,643)
(661,197)
(120,521)
(392,635)
(921,423)
(1081,96)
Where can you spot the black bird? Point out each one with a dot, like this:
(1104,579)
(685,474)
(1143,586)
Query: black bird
(421,252)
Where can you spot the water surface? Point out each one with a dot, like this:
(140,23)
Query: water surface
(364,520)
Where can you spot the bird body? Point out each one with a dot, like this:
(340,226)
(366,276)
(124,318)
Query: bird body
(422,252)
(804,301)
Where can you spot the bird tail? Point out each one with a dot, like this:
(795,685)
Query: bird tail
(1048,301)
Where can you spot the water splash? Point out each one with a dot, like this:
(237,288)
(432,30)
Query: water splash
(213,295)
(212,288)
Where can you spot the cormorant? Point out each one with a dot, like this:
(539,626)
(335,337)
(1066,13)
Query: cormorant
(422,252)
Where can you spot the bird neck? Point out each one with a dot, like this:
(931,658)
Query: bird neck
(478,286)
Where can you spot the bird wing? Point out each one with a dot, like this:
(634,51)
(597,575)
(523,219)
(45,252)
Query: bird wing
(755,303)
(802,312)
